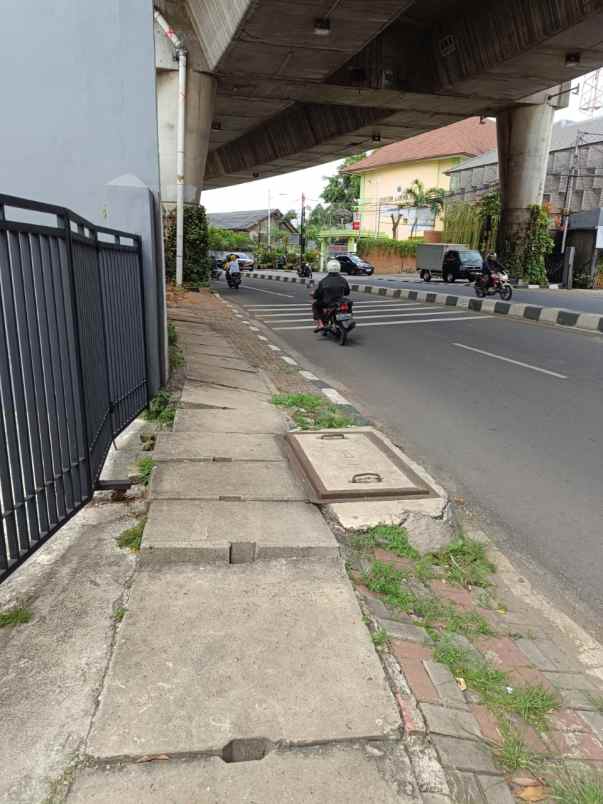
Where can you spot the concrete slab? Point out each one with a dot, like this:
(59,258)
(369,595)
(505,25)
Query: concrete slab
(196,357)
(227,377)
(215,348)
(362,515)
(344,774)
(267,420)
(199,446)
(214,396)
(265,650)
(203,531)
(244,480)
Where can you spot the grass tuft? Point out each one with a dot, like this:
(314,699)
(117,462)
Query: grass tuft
(313,412)
(18,615)
(145,467)
(434,613)
(578,786)
(597,702)
(465,563)
(513,754)
(119,614)
(380,638)
(161,409)
(176,358)
(131,538)
(532,703)
(394,538)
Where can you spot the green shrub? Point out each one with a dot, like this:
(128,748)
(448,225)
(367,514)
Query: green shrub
(386,245)
(196,260)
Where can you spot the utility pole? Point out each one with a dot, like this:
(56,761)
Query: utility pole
(302,231)
(269,234)
(569,190)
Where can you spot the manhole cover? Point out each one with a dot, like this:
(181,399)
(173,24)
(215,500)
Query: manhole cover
(354,464)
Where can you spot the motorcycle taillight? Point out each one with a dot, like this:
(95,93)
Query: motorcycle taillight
(344,308)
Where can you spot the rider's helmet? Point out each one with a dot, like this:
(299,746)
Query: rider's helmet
(491,257)
(333,266)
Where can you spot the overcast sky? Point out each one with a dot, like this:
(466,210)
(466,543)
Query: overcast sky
(286,190)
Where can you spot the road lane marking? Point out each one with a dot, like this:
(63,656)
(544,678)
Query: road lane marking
(253,329)
(335,397)
(509,360)
(270,292)
(289,360)
(274,348)
(401,323)
(261,337)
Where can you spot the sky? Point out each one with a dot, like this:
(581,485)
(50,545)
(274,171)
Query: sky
(286,190)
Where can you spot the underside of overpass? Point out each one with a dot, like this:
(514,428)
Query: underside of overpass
(288,98)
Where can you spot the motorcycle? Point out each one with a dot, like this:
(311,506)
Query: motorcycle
(234,280)
(499,283)
(304,271)
(338,320)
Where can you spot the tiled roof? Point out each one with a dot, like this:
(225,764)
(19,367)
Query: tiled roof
(562,138)
(466,138)
(246,219)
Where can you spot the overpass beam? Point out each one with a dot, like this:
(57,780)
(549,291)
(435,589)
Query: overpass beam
(524,140)
(200,99)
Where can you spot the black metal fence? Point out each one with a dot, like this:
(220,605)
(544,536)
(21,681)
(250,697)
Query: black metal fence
(72,364)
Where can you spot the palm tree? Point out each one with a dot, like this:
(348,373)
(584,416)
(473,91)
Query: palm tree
(418,197)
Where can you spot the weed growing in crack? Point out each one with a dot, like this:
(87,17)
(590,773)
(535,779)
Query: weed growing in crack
(433,612)
(18,615)
(513,754)
(597,702)
(119,614)
(145,468)
(578,786)
(380,638)
(312,412)
(131,538)
(161,409)
(532,703)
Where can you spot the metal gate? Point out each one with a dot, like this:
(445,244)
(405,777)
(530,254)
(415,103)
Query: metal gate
(73,368)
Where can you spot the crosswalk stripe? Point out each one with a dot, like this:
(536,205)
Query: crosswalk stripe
(287,318)
(273,314)
(400,323)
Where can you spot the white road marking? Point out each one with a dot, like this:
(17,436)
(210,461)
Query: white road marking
(262,337)
(401,323)
(274,348)
(335,397)
(289,360)
(308,375)
(286,319)
(270,292)
(253,329)
(266,308)
(365,310)
(509,360)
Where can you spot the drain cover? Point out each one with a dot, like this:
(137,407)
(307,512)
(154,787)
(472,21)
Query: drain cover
(354,464)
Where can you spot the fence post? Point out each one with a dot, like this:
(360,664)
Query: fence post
(103,311)
(144,315)
(65,221)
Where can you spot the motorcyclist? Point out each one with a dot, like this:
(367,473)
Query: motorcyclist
(490,266)
(330,290)
(232,266)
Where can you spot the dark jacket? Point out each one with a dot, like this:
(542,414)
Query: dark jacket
(331,288)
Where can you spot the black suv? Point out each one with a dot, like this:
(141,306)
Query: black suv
(352,264)
(461,265)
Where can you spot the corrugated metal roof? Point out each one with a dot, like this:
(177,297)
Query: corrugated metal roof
(563,137)
(244,219)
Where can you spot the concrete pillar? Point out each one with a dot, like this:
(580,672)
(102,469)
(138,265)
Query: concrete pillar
(524,140)
(200,98)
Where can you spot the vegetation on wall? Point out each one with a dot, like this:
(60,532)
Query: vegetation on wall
(196,261)
(525,255)
(225,240)
(473,224)
(387,245)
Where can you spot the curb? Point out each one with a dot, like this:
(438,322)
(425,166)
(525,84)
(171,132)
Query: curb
(557,316)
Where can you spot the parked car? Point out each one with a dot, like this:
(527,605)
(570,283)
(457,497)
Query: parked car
(246,261)
(451,261)
(353,264)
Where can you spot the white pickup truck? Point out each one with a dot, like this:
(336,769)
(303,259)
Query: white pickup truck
(451,261)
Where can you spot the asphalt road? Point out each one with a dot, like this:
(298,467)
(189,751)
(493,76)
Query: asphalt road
(522,444)
(586,301)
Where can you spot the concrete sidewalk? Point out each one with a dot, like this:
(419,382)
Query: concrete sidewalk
(243,642)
